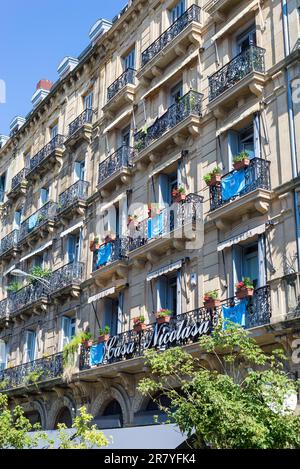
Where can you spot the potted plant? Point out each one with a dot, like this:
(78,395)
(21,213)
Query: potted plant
(94,244)
(211,299)
(86,339)
(179,194)
(140,142)
(39,272)
(163,316)
(241,161)
(214,177)
(244,288)
(139,323)
(104,334)
(14,287)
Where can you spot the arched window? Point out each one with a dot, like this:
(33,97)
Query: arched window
(34,417)
(64,416)
(111,417)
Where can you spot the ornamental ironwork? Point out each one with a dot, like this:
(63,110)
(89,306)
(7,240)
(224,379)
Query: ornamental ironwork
(47,150)
(250,60)
(121,158)
(26,296)
(9,242)
(36,220)
(187,105)
(33,372)
(18,178)
(110,251)
(75,193)
(85,117)
(174,217)
(127,77)
(4,313)
(69,274)
(190,15)
(256,176)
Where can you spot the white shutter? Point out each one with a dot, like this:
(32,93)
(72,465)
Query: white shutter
(65,331)
(2,355)
(30,346)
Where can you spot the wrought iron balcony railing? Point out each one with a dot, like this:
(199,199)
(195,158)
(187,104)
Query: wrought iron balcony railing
(18,178)
(9,242)
(172,218)
(122,158)
(26,296)
(255,176)
(127,77)
(110,252)
(44,369)
(40,217)
(56,142)
(190,15)
(4,312)
(189,104)
(75,193)
(85,117)
(182,330)
(248,61)
(67,275)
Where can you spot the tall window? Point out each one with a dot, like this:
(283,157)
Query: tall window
(129,60)
(88,101)
(68,329)
(79,170)
(17,219)
(169,293)
(246,39)
(177,10)
(44,196)
(3,354)
(2,186)
(53,131)
(30,346)
(73,248)
(125,136)
(176,93)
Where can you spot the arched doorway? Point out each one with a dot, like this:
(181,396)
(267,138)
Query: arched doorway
(150,413)
(34,417)
(64,416)
(111,416)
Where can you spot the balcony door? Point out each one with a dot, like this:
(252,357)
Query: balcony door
(30,346)
(17,219)
(73,248)
(3,354)
(129,60)
(88,101)
(246,39)
(2,186)
(110,317)
(125,136)
(244,140)
(177,10)
(79,171)
(168,293)
(176,93)
(68,330)
(44,196)
(53,131)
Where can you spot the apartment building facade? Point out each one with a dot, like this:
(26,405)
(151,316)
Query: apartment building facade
(164,94)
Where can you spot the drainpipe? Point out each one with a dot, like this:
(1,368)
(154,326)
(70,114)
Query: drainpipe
(291,123)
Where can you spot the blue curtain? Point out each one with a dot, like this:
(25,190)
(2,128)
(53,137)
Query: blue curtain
(96,354)
(236,313)
(104,254)
(155,226)
(233,184)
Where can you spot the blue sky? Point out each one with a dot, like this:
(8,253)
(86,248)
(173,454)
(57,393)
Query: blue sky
(34,36)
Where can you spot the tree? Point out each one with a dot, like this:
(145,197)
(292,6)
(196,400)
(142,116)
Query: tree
(15,428)
(240,403)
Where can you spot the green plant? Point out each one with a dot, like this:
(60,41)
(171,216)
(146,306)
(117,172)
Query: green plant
(240,157)
(211,295)
(38,271)
(4,384)
(207,177)
(14,287)
(104,331)
(33,376)
(162,313)
(139,320)
(70,349)
(245,283)
(41,217)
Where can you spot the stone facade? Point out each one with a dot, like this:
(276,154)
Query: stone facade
(168,92)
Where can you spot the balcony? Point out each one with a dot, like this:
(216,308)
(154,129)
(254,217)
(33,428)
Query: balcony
(39,224)
(174,42)
(32,298)
(172,228)
(221,6)
(240,193)
(4,313)
(47,158)
(19,184)
(183,330)
(181,120)
(116,169)
(121,91)
(110,261)
(48,370)
(72,201)
(66,280)
(80,128)
(8,245)
(246,72)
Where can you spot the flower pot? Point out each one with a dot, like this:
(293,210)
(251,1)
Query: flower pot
(212,303)
(139,327)
(244,293)
(179,198)
(241,164)
(109,239)
(163,319)
(215,180)
(103,338)
(87,343)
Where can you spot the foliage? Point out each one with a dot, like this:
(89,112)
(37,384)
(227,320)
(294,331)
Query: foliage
(14,287)
(211,295)
(245,283)
(238,403)
(69,354)
(162,313)
(104,331)
(4,383)
(207,177)
(33,376)
(15,428)
(240,157)
(139,320)
(38,271)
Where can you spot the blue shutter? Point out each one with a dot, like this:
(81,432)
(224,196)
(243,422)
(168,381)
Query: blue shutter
(3,355)
(179,293)
(233,147)
(162,292)
(17,219)
(178,10)
(179,175)
(120,312)
(71,248)
(110,315)
(65,330)
(256,133)
(88,101)
(163,190)
(44,196)
(262,278)
(237,265)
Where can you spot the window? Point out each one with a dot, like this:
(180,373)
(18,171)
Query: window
(30,346)
(111,315)
(250,263)
(17,219)
(53,131)
(44,196)
(3,355)
(38,261)
(88,101)
(246,39)
(176,93)
(79,170)
(2,186)
(27,160)
(169,293)
(125,136)
(129,60)
(246,139)
(68,329)
(177,11)
(73,248)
